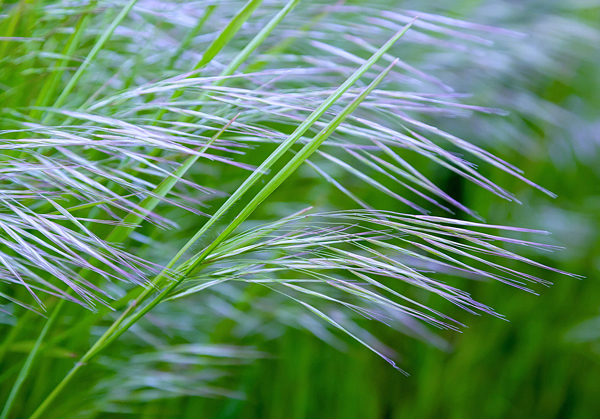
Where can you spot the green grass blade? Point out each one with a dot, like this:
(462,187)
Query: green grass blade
(286,42)
(256,41)
(92,54)
(285,146)
(228,32)
(118,234)
(191,34)
(11,24)
(277,180)
(292,165)
(243,55)
(27,366)
(291,140)
(109,336)
(53,81)
(218,43)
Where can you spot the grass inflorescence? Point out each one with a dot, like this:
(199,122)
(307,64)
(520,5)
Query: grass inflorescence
(141,143)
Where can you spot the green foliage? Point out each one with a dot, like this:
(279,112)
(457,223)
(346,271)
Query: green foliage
(189,188)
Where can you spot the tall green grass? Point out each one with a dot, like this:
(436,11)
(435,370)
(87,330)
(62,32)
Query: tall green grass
(157,158)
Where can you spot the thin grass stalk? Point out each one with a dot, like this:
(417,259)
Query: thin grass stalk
(290,167)
(109,336)
(260,37)
(291,140)
(275,182)
(226,34)
(51,85)
(29,361)
(244,54)
(11,24)
(272,159)
(90,57)
(286,42)
(191,34)
(119,234)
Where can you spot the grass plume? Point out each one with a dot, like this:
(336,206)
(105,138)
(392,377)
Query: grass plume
(114,157)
